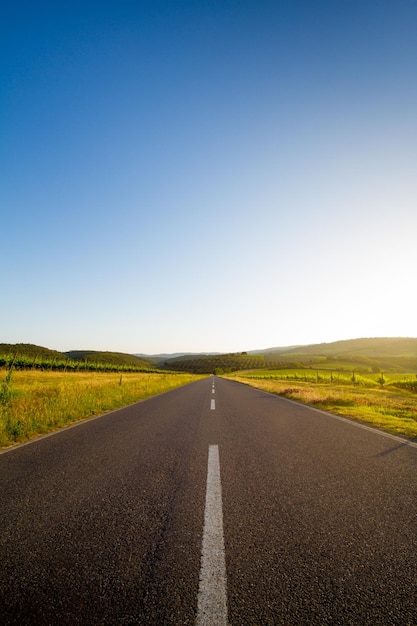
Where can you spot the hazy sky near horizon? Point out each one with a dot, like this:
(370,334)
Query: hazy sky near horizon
(213,175)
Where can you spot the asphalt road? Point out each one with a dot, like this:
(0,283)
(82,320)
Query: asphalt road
(103,523)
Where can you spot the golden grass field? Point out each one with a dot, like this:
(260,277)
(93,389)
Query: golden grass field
(33,402)
(388,408)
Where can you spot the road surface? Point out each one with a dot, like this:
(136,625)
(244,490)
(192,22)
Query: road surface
(215,504)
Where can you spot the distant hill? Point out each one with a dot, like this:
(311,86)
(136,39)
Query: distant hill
(375,353)
(212,363)
(276,350)
(175,355)
(110,358)
(25,355)
(30,350)
(383,353)
(368,347)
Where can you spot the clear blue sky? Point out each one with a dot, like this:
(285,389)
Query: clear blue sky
(207,175)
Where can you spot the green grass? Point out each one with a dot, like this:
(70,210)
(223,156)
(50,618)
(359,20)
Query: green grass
(33,402)
(326,375)
(387,407)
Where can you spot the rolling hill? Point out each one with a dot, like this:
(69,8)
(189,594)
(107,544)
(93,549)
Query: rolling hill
(372,354)
(383,353)
(25,355)
(111,358)
(30,350)
(369,347)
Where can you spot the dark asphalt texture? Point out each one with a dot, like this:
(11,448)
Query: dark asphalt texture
(102,523)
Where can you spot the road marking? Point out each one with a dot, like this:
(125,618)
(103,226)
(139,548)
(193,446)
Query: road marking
(213,404)
(212,391)
(212,591)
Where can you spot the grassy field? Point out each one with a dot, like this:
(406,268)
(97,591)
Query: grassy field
(34,402)
(327,375)
(384,406)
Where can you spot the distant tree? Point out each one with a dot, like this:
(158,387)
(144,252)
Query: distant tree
(381,380)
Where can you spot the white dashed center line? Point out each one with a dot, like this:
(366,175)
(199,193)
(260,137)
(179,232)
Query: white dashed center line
(213,404)
(212,591)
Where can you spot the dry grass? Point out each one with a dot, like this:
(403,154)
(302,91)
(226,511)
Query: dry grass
(35,402)
(390,409)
